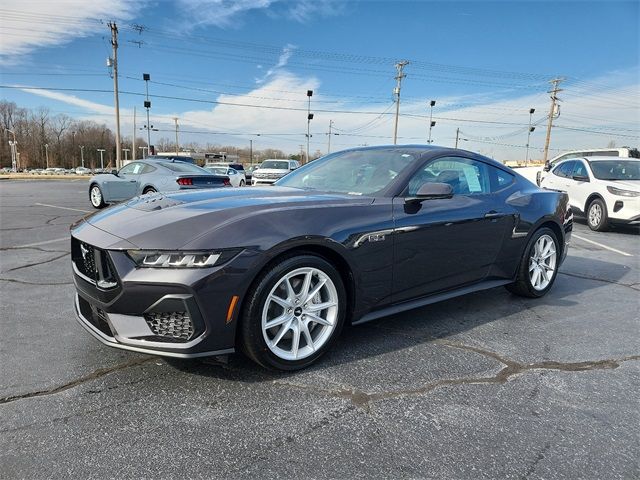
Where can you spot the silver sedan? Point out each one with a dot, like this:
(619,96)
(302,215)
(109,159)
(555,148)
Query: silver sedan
(150,176)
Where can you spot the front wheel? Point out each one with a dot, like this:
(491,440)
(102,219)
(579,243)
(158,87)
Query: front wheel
(597,217)
(539,265)
(294,313)
(95,197)
(149,191)
(242,183)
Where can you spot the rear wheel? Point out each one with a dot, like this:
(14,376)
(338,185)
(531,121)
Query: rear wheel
(242,183)
(294,313)
(149,190)
(539,265)
(597,217)
(95,196)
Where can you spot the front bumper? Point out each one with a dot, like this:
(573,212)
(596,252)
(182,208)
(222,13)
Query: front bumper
(181,313)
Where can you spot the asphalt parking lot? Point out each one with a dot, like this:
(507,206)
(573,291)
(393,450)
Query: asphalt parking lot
(485,386)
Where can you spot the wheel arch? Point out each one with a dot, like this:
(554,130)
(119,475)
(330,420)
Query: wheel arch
(591,198)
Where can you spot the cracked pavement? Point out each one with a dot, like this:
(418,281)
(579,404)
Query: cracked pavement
(484,386)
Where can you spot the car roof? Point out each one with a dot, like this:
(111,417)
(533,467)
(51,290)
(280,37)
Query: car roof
(602,158)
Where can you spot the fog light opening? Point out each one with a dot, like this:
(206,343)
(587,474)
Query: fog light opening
(175,326)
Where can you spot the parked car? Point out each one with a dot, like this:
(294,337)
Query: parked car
(248,173)
(272,170)
(181,158)
(236,177)
(625,152)
(150,176)
(276,271)
(604,189)
(82,171)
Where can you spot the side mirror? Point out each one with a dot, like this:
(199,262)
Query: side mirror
(547,167)
(114,172)
(581,178)
(431,191)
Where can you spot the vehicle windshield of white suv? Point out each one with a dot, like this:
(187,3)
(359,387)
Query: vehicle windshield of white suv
(616,170)
(277,165)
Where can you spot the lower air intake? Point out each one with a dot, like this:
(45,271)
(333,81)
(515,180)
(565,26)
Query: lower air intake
(170,326)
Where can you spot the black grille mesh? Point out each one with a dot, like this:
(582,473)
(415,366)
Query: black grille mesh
(175,326)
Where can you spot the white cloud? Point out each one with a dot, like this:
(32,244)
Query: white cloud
(283,59)
(32,24)
(69,99)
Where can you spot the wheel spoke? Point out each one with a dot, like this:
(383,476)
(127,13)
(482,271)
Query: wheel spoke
(532,265)
(316,289)
(304,291)
(307,334)
(280,301)
(551,252)
(295,340)
(291,294)
(278,321)
(284,329)
(317,307)
(318,319)
(535,277)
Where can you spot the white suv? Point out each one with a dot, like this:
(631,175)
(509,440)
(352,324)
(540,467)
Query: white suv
(605,189)
(272,170)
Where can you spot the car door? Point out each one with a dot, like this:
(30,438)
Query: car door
(441,244)
(557,178)
(579,185)
(124,185)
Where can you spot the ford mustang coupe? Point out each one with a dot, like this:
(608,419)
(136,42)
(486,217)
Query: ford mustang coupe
(276,271)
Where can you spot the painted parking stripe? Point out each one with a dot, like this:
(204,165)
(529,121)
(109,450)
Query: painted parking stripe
(63,208)
(55,240)
(601,245)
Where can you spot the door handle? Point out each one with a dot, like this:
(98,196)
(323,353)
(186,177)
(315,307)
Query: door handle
(493,214)
(132,181)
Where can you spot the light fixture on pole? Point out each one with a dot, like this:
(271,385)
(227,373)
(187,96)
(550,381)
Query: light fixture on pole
(529,131)
(309,118)
(432,124)
(126,154)
(101,150)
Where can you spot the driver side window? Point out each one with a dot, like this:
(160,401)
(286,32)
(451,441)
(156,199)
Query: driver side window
(466,177)
(131,169)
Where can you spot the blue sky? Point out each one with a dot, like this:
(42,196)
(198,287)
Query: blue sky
(485,64)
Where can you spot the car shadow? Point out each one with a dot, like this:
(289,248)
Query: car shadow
(613,228)
(419,326)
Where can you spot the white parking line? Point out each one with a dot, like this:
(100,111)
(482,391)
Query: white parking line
(64,208)
(55,240)
(601,245)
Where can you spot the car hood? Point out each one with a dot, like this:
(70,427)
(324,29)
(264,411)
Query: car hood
(170,221)
(271,170)
(625,184)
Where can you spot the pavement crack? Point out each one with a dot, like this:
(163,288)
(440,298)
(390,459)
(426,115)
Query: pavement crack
(632,286)
(23,282)
(37,264)
(101,372)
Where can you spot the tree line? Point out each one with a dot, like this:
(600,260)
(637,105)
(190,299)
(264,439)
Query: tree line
(65,141)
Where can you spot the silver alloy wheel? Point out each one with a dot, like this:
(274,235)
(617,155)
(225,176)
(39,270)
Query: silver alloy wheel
(96,196)
(595,214)
(542,262)
(300,313)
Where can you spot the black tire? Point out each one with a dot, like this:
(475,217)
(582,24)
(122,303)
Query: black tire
(252,339)
(598,223)
(97,201)
(523,285)
(242,183)
(149,190)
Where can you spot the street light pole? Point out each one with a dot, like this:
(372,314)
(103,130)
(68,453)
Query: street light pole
(101,150)
(432,124)
(147,104)
(46,153)
(14,149)
(531,129)
(82,154)
(126,154)
(309,118)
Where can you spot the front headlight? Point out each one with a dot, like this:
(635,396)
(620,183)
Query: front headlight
(623,193)
(169,259)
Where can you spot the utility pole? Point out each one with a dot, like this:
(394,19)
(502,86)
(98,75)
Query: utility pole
(82,155)
(301,153)
(250,152)
(133,141)
(14,150)
(396,91)
(529,131)
(329,145)
(432,124)
(457,136)
(114,44)
(101,150)
(309,118)
(554,91)
(175,119)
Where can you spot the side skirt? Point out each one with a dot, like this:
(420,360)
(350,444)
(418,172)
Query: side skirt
(439,297)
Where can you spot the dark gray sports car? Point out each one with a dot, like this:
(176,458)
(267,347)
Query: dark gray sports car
(276,271)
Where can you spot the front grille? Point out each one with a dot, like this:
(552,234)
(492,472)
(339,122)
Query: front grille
(93,264)
(170,326)
(95,316)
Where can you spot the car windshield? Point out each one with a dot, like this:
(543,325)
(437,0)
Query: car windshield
(217,170)
(279,165)
(182,167)
(359,172)
(616,169)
